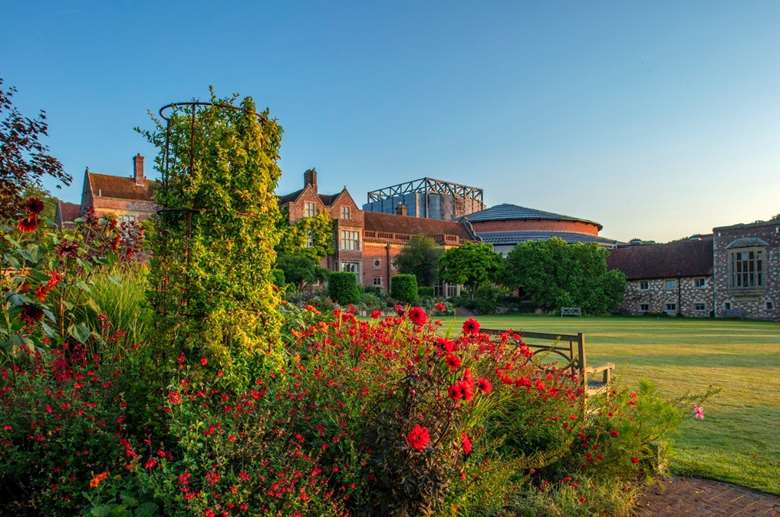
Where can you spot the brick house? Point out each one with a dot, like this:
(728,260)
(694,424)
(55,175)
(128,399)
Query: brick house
(674,278)
(120,196)
(747,270)
(366,242)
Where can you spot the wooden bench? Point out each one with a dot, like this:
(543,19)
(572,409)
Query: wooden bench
(571,311)
(569,348)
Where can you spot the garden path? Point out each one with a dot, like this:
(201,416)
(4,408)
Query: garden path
(693,497)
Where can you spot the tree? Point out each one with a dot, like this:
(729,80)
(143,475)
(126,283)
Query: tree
(403,288)
(24,160)
(311,236)
(300,269)
(554,274)
(472,264)
(211,274)
(420,257)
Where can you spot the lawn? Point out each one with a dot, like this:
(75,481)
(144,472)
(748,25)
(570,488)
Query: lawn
(739,439)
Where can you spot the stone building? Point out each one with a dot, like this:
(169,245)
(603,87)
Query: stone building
(747,270)
(674,278)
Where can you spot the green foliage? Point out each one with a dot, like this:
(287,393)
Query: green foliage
(300,269)
(420,257)
(472,264)
(554,274)
(484,301)
(343,288)
(403,287)
(425,292)
(211,280)
(310,236)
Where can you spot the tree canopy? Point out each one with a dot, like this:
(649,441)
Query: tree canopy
(420,257)
(554,274)
(472,264)
(24,159)
(311,236)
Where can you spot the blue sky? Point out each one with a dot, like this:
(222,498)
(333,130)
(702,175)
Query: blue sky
(658,120)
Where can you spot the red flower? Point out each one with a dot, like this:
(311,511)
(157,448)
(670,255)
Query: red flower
(28,224)
(614,434)
(417,316)
(204,361)
(33,205)
(399,309)
(465,442)
(471,326)
(150,463)
(376,314)
(418,438)
(31,314)
(98,479)
(208,512)
(634,460)
(453,361)
(174,398)
(212,477)
(485,386)
(446,344)
(455,391)
(440,307)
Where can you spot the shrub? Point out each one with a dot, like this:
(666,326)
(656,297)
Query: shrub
(403,287)
(343,288)
(425,292)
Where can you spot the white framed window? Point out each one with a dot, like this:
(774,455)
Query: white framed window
(309,239)
(378,281)
(377,262)
(309,209)
(345,213)
(644,308)
(746,268)
(700,307)
(700,283)
(350,267)
(671,307)
(670,284)
(350,240)
(644,285)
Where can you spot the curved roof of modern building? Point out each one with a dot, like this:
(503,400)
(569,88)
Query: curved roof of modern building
(507,211)
(510,238)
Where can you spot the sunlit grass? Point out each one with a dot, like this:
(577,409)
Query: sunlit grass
(739,439)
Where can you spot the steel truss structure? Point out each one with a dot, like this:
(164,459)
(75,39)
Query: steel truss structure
(428,186)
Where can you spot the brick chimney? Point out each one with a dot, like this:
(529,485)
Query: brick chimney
(401,210)
(138,169)
(310,178)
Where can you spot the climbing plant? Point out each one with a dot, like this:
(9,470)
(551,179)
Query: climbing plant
(213,249)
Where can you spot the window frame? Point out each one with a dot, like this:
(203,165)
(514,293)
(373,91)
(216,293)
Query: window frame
(703,283)
(748,273)
(675,283)
(644,285)
(703,307)
(346,213)
(309,209)
(644,308)
(349,240)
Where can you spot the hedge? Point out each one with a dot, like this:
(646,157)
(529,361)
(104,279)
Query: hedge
(404,288)
(343,288)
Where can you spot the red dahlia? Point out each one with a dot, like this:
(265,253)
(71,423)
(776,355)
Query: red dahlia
(465,442)
(33,205)
(376,314)
(418,438)
(453,361)
(471,326)
(417,316)
(485,386)
(28,224)
(440,307)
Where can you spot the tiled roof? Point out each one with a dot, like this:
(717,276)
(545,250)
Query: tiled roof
(105,185)
(508,211)
(675,259)
(328,199)
(288,198)
(68,212)
(510,238)
(391,223)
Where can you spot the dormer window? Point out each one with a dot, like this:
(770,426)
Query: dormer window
(309,209)
(345,213)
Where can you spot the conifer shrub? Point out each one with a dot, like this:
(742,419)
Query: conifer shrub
(403,287)
(343,288)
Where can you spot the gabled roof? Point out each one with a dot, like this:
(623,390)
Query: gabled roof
(507,211)
(105,185)
(391,223)
(289,198)
(327,199)
(514,237)
(672,260)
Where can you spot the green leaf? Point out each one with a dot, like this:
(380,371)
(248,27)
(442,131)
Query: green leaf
(147,509)
(79,332)
(103,510)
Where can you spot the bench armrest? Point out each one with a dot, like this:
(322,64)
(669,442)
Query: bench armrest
(599,369)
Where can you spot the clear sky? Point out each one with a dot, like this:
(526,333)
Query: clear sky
(658,120)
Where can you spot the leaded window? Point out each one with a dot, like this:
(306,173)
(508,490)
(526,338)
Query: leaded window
(746,268)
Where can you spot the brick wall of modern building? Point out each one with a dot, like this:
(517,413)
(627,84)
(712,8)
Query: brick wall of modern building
(533,224)
(656,293)
(754,303)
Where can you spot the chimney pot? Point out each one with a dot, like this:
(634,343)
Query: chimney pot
(310,178)
(138,169)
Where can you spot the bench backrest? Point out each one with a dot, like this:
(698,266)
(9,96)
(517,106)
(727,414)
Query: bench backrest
(570,348)
(571,311)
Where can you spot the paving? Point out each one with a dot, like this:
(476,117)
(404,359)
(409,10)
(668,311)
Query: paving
(693,497)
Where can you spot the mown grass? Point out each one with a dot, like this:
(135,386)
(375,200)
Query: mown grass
(739,439)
